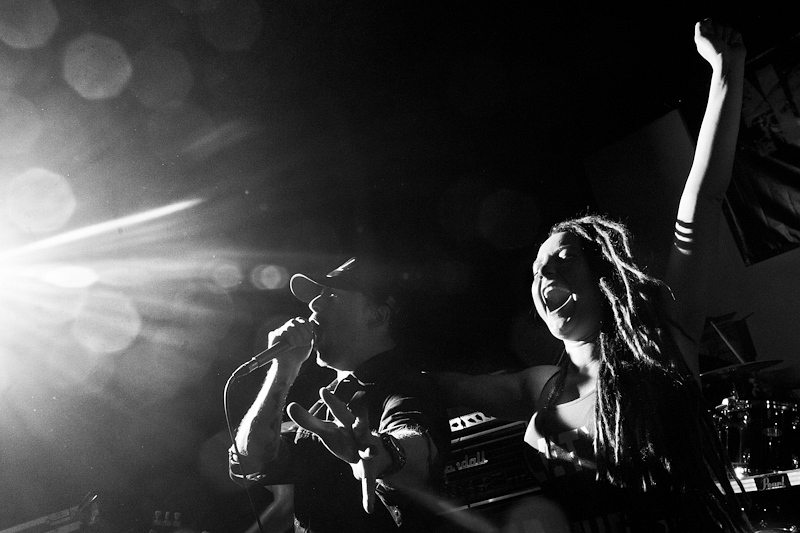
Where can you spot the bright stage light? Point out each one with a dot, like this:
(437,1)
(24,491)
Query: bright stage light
(70,276)
(98,229)
(62,316)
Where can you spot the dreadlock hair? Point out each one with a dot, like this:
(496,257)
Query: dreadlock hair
(653,428)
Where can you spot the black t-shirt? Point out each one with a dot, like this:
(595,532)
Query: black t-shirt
(327,498)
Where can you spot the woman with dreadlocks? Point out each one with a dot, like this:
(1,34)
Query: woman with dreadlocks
(623,437)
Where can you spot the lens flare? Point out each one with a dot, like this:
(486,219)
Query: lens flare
(39,201)
(20,124)
(27,24)
(269,277)
(96,67)
(107,322)
(70,276)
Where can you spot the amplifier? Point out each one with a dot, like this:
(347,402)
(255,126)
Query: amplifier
(487,461)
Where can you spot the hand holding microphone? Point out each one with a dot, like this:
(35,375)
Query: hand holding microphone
(296,333)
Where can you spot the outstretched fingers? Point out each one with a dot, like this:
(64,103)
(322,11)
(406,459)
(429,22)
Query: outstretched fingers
(306,420)
(337,438)
(348,437)
(338,408)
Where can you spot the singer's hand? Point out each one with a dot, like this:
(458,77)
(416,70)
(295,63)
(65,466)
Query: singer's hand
(297,333)
(350,439)
(717,42)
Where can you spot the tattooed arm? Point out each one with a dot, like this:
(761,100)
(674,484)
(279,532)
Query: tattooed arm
(258,454)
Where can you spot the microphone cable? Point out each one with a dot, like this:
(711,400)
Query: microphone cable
(232,436)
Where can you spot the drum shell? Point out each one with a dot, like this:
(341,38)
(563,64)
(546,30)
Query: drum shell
(760,437)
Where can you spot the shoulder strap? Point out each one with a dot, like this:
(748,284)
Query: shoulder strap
(552,388)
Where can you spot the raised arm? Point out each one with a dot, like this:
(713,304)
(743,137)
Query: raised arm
(259,451)
(698,220)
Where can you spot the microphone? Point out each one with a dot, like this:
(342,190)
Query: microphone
(263,358)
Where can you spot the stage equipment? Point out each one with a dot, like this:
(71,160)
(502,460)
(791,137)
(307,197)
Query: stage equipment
(761,437)
(487,461)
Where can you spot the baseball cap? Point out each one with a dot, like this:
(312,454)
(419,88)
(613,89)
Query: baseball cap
(357,274)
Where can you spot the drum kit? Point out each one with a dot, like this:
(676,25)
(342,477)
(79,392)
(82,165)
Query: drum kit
(760,430)
(761,433)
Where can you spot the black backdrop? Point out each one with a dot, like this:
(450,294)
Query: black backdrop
(449,134)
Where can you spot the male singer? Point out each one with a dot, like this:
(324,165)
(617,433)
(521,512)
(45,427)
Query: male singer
(379,429)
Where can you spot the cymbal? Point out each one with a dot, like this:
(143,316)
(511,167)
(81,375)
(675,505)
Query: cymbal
(741,368)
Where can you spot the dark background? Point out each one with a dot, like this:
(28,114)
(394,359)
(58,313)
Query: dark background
(449,135)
